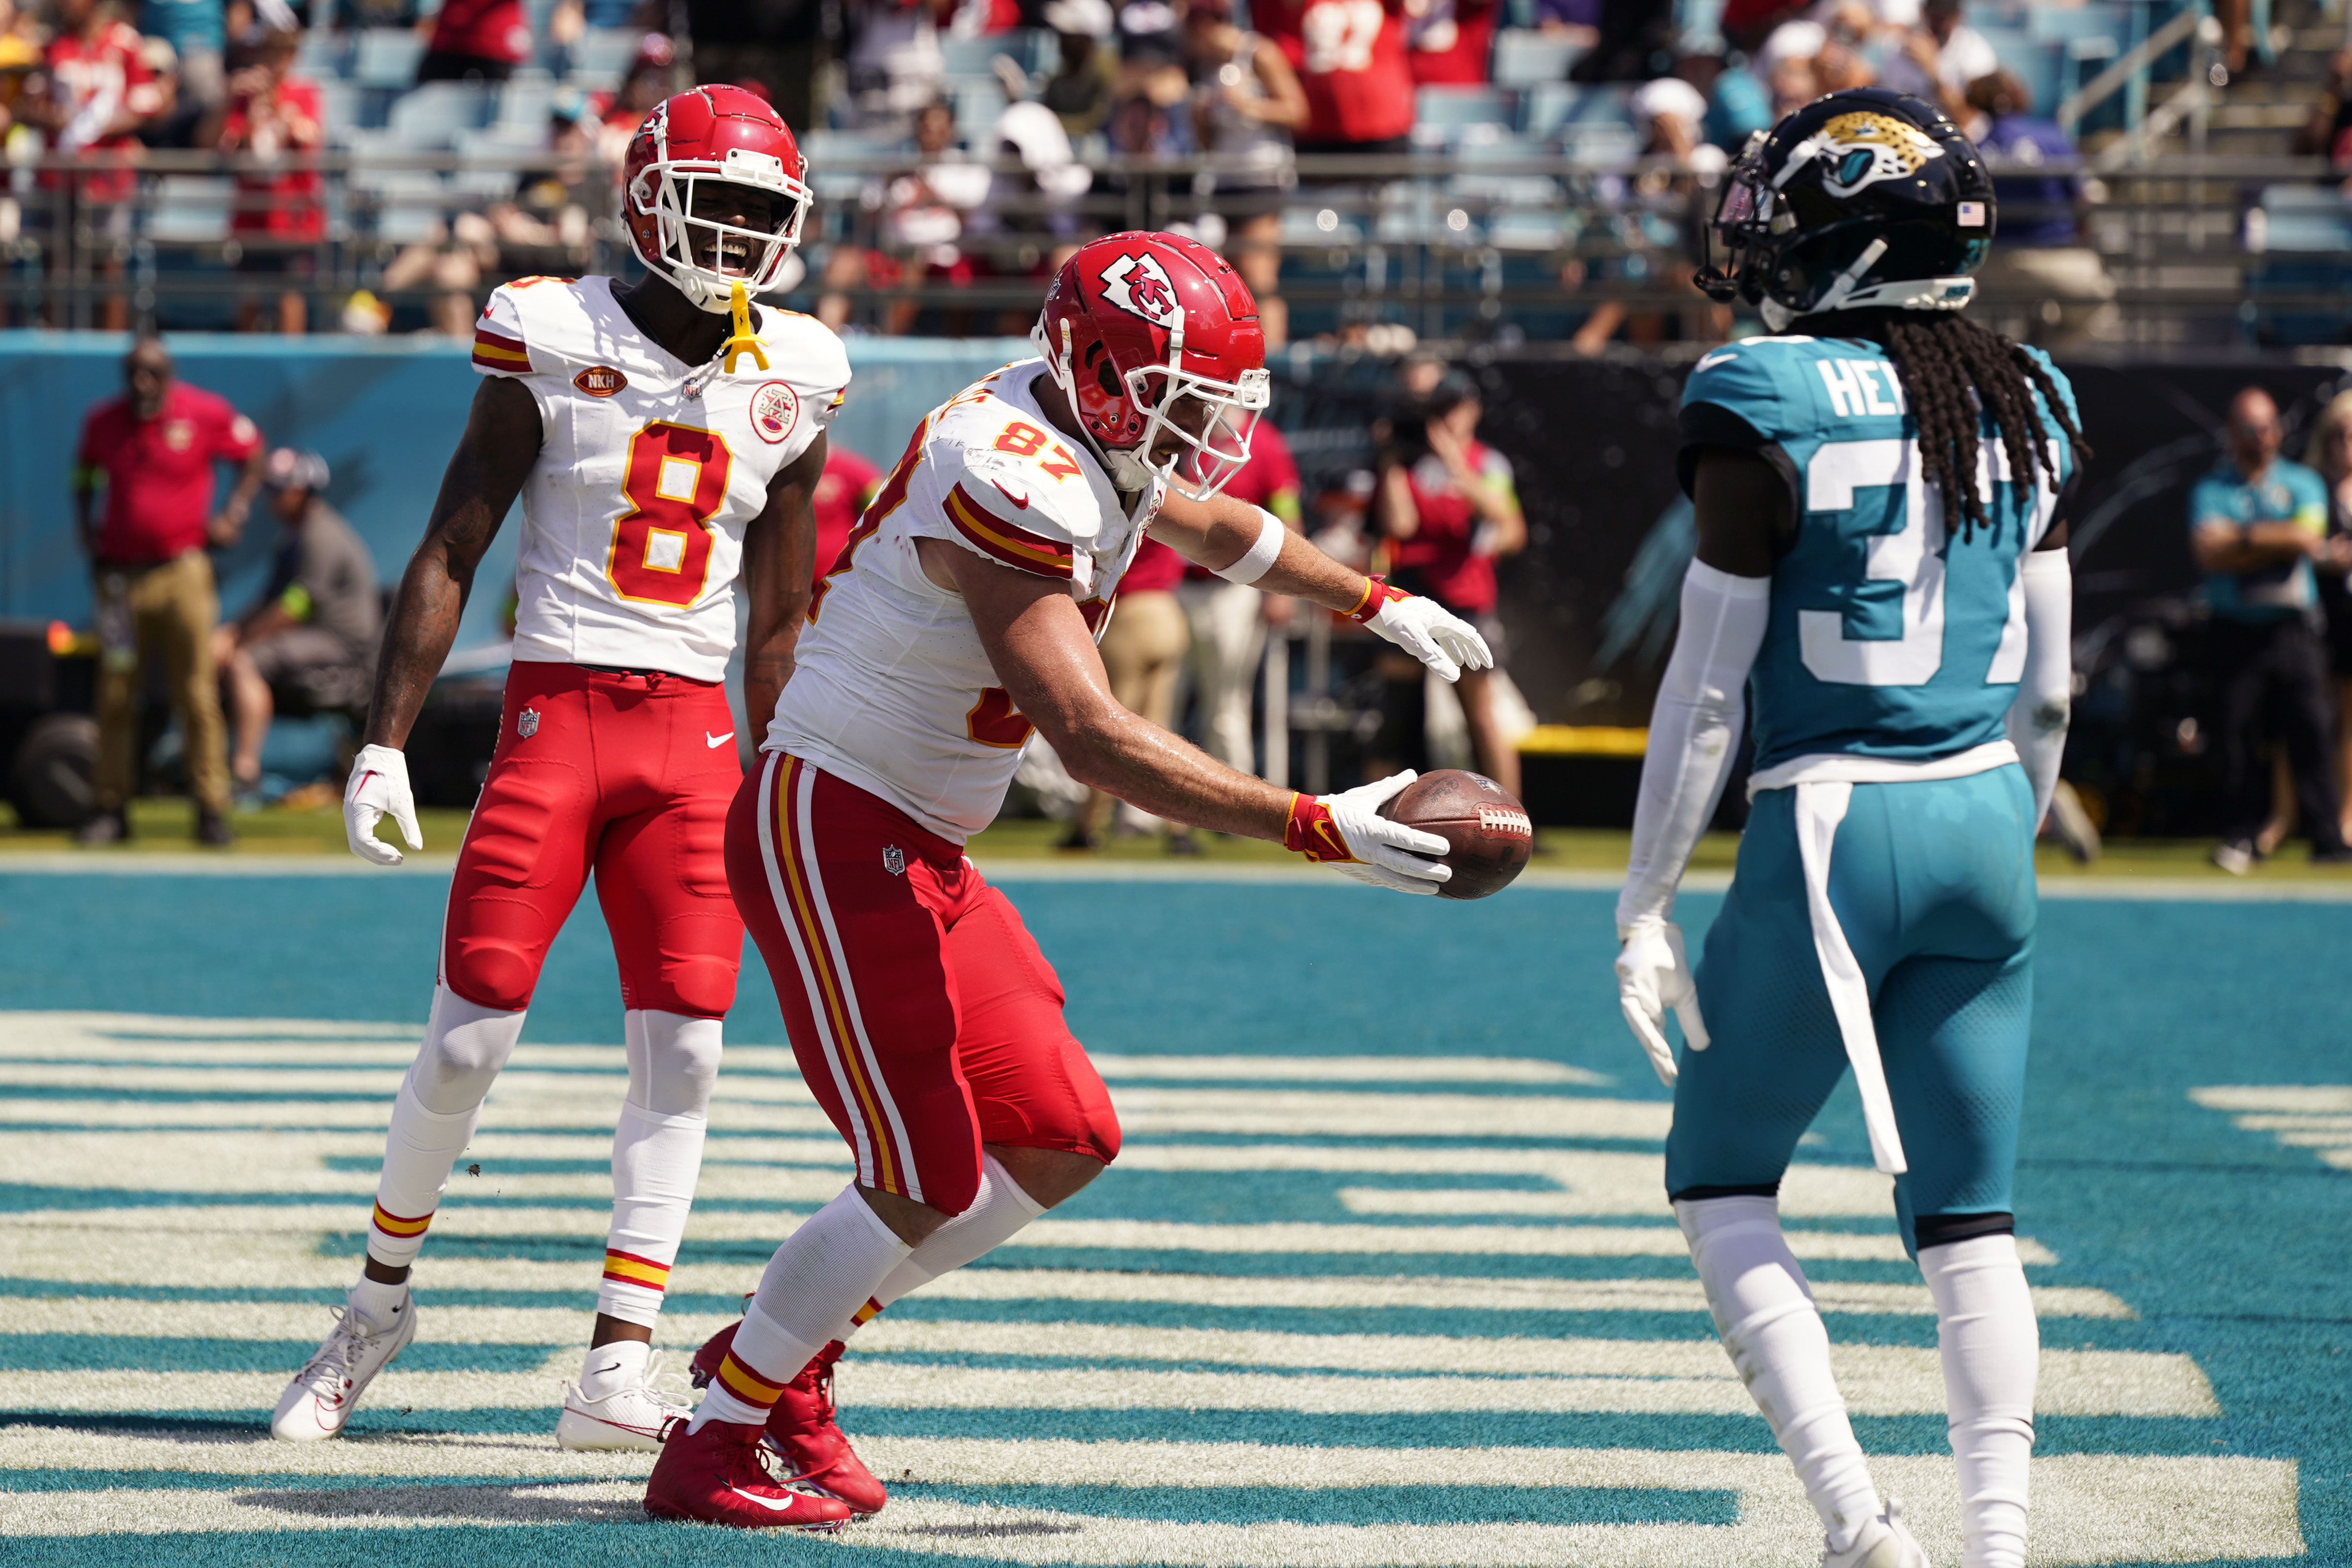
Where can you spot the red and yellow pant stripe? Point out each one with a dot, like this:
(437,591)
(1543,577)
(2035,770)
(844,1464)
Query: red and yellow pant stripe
(628,1268)
(401,1225)
(747,1385)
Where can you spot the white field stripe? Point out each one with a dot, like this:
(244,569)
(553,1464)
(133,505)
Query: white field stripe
(458,1218)
(908,1173)
(1874,1378)
(1630,1377)
(780,897)
(2091,1509)
(39,1026)
(1350,1070)
(508,1108)
(2304,1099)
(1307,1113)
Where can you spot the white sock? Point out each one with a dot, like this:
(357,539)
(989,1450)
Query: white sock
(1992,1349)
(380,1303)
(995,1216)
(657,1157)
(813,1283)
(433,1118)
(609,1368)
(1765,1312)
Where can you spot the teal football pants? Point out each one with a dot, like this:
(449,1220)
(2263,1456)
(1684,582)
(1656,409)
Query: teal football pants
(1933,885)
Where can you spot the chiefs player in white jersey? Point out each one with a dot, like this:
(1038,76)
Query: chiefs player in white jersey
(961,615)
(658,456)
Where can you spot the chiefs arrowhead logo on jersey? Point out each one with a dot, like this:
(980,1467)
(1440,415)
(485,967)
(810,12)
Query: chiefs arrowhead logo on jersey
(774,412)
(601,381)
(1139,285)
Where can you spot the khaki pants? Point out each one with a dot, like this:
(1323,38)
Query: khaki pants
(1142,648)
(1228,627)
(143,612)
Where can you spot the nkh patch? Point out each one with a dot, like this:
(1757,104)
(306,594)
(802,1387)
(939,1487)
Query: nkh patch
(527,723)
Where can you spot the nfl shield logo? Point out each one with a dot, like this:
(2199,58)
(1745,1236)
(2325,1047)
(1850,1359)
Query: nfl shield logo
(894,861)
(527,723)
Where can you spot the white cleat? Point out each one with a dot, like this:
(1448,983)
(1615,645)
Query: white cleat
(635,1417)
(1883,1543)
(324,1393)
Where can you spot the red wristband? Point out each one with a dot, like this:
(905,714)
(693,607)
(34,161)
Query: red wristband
(1376,593)
(1311,832)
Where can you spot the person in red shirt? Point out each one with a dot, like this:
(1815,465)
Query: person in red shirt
(1351,57)
(152,451)
(1449,40)
(475,40)
(848,483)
(1228,621)
(273,114)
(94,92)
(1447,512)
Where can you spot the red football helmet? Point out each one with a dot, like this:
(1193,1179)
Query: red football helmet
(1136,325)
(712,134)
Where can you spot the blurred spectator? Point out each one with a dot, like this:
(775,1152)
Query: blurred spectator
(1672,115)
(1143,650)
(546,227)
(2238,40)
(313,634)
(1030,224)
(778,44)
(1746,24)
(2327,133)
(921,216)
(1737,104)
(193,28)
(1448,41)
(152,451)
(1447,505)
(274,118)
(895,65)
(2257,523)
(1939,58)
(1245,109)
(449,263)
(1228,621)
(1148,37)
(1579,21)
(20,57)
(2330,453)
(1358,83)
(170,125)
(1080,89)
(646,84)
(1636,42)
(90,96)
(2040,262)
(1785,65)
(475,40)
(848,482)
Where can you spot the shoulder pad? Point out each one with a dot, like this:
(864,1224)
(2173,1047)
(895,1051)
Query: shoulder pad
(1742,377)
(806,351)
(500,344)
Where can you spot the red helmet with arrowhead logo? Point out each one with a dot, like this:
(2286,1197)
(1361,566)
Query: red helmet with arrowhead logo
(1154,335)
(705,136)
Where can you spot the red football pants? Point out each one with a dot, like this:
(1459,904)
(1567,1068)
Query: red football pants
(626,775)
(924,1018)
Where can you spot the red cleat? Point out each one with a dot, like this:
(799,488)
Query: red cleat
(720,1476)
(801,1428)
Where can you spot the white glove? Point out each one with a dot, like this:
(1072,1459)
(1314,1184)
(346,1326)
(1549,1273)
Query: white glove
(1432,634)
(1653,973)
(1349,832)
(379,788)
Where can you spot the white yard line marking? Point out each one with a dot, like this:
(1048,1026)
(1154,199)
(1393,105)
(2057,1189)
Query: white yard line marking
(2314,1116)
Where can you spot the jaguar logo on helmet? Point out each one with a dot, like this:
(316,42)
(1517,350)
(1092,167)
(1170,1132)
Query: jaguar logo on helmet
(1141,286)
(1864,149)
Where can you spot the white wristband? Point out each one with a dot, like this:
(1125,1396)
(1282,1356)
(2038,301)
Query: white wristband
(1260,557)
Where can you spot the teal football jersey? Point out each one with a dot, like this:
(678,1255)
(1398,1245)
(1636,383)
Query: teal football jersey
(1891,634)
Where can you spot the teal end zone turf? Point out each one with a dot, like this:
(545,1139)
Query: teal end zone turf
(2227,1243)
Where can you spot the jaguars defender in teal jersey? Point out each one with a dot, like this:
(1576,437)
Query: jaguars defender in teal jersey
(1880,568)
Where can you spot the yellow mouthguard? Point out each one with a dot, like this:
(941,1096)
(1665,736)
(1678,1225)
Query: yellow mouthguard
(743,342)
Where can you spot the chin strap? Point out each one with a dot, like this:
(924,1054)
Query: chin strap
(744,341)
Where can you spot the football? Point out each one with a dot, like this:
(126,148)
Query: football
(1490,831)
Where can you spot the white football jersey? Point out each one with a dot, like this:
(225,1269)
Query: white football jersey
(632,518)
(892,689)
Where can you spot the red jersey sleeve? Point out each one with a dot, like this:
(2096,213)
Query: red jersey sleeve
(235,437)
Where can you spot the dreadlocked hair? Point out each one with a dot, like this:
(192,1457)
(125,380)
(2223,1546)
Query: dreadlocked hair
(1941,358)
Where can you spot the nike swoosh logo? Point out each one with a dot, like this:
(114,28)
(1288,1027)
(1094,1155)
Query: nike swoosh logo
(1020,502)
(713,742)
(1714,359)
(772,1504)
